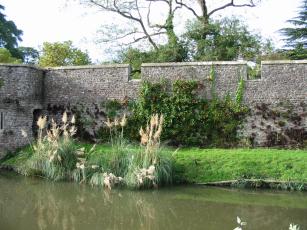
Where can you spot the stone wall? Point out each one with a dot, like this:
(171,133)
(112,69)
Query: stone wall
(89,84)
(26,90)
(21,93)
(227,74)
(278,103)
(280,81)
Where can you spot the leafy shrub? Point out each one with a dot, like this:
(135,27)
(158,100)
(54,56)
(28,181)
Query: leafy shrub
(188,119)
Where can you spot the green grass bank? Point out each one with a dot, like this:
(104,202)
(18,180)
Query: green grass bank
(201,166)
(214,165)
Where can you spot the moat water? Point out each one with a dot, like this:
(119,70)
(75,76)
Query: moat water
(33,203)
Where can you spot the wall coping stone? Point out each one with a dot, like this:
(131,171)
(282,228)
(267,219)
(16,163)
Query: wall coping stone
(284,62)
(20,65)
(67,67)
(170,64)
(89,67)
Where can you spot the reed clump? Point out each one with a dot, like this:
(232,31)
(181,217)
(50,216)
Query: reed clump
(56,156)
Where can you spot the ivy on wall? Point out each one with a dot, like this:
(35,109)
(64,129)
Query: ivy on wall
(189,120)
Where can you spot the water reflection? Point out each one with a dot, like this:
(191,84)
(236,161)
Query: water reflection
(27,203)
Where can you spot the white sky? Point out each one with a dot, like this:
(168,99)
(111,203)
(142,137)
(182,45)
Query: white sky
(54,20)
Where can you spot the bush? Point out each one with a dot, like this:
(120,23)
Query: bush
(188,119)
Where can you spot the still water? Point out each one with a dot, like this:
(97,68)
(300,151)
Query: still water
(29,204)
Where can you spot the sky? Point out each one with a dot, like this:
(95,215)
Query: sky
(61,20)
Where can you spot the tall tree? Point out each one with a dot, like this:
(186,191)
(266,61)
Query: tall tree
(62,54)
(10,35)
(203,14)
(296,36)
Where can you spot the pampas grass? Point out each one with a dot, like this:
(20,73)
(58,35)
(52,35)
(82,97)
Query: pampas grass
(56,156)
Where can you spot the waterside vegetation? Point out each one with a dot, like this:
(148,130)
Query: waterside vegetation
(257,168)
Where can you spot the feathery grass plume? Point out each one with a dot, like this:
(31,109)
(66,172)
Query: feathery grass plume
(64,117)
(55,154)
(73,120)
(151,138)
(108,123)
(41,122)
(123,121)
(116,122)
(150,166)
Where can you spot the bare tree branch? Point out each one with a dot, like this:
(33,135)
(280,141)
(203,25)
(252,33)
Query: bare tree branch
(231,4)
(135,40)
(126,12)
(181,4)
(148,14)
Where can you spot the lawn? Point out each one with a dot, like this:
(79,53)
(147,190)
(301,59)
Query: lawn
(194,165)
(211,165)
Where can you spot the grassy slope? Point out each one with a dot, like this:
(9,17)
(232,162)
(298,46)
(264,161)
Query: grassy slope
(209,165)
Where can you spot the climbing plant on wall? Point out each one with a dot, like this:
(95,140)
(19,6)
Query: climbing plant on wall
(189,119)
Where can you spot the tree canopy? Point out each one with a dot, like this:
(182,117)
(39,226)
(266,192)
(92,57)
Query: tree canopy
(10,35)
(227,39)
(144,26)
(62,54)
(6,57)
(296,36)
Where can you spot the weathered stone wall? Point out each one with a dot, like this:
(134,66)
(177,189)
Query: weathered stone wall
(89,84)
(281,90)
(227,74)
(21,89)
(278,103)
(280,81)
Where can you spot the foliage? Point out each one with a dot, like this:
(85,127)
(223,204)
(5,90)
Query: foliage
(296,36)
(29,55)
(227,39)
(240,91)
(112,107)
(6,57)
(62,54)
(9,35)
(298,53)
(188,119)
(164,53)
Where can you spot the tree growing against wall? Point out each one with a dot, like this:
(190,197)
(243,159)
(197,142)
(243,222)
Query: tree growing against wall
(296,36)
(62,54)
(10,35)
